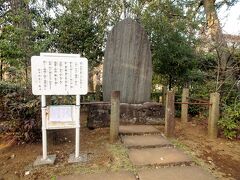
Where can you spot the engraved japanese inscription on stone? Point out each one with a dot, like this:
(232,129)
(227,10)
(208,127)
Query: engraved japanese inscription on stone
(59,75)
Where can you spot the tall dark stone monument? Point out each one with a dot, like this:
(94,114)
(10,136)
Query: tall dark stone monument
(127,63)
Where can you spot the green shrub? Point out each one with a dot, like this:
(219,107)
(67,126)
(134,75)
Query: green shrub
(155,96)
(197,110)
(22,110)
(230,121)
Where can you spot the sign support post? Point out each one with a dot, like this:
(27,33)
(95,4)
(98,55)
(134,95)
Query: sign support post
(44,130)
(77,126)
(77,157)
(44,159)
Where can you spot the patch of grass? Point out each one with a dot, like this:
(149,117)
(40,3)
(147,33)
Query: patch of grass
(178,144)
(187,150)
(53,178)
(198,161)
(89,170)
(121,160)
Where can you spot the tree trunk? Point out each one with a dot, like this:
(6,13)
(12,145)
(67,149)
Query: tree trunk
(25,25)
(170,82)
(215,32)
(1,70)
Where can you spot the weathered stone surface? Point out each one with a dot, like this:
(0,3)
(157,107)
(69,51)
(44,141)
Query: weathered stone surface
(138,129)
(147,113)
(49,161)
(101,176)
(81,159)
(176,173)
(145,141)
(157,156)
(127,63)
(98,115)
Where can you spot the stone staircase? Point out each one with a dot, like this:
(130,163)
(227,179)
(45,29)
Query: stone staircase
(147,147)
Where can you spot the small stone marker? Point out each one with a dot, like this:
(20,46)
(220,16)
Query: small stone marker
(138,129)
(176,173)
(101,176)
(145,141)
(157,156)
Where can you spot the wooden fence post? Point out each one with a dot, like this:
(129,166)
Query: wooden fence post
(115,116)
(170,114)
(213,115)
(184,107)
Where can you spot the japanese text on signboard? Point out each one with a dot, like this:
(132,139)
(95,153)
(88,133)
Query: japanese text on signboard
(59,76)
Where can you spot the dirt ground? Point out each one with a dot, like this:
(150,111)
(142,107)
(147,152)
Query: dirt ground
(16,161)
(221,156)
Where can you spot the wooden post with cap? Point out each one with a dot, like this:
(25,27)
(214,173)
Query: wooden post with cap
(115,116)
(170,114)
(213,115)
(184,107)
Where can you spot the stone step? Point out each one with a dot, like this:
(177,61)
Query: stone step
(145,141)
(158,156)
(101,176)
(138,130)
(175,173)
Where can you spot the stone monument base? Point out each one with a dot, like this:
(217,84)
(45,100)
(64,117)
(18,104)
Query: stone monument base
(146,113)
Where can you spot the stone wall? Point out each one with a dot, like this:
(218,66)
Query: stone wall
(147,113)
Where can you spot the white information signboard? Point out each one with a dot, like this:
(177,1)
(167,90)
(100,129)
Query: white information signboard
(60,55)
(52,75)
(59,74)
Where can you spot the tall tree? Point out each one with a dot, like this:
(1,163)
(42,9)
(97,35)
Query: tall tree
(83,26)
(172,41)
(224,57)
(22,34)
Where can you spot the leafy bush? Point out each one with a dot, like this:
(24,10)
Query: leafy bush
(200,91)
(22,110)
(197,110)
(178,106)
(155,96)
(193,109)
(230,121)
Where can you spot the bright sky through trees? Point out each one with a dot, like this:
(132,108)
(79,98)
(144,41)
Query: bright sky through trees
(230,19)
